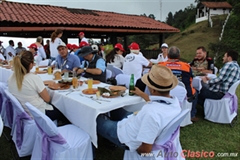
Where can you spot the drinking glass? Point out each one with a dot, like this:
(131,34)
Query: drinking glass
(90,83)
(66,75)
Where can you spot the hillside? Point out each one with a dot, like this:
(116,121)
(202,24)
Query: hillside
(196,35)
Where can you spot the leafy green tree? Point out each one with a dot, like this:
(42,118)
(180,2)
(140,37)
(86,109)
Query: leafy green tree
(152,16)
(170,19)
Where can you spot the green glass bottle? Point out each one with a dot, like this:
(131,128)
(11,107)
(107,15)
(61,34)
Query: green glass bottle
(131,85)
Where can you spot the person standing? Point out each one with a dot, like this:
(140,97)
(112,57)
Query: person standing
(217,87)
(2,49)
(82,37)
(134,63)
(47,49)
(10,52)
(41,52)
(20,48)
(55,42)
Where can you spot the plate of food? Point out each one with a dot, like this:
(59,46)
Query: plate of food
(57,75)
(58,86)
(42,66)
(47,82)
(117,88)
(6,66)
(40,72)
(90,91)
(110,93)
(94,82)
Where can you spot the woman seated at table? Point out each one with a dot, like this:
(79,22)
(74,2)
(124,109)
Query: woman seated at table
(28,87)
(115,56)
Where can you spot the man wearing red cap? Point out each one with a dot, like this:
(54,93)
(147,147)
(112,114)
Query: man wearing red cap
(134,62)
(33,48)
(81,36)
(20,48)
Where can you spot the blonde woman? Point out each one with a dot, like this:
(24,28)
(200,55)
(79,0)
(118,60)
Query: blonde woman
(28,87)
(55,41)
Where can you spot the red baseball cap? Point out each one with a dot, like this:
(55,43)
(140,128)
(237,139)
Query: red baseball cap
(81,33)
(82,44)
(33,45)
(119,46)
(74,46)
(69,46)
(134,46)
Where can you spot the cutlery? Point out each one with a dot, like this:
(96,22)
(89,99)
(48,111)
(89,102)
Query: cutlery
(98,99)
(90,98)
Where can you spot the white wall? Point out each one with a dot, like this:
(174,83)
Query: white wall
(219,11)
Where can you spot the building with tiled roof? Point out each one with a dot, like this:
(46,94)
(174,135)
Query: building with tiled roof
(205,10)
(28,20)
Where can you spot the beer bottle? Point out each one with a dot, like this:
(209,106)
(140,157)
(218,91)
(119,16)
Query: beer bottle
(131,85)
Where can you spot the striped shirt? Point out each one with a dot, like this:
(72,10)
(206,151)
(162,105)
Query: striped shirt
(229,74)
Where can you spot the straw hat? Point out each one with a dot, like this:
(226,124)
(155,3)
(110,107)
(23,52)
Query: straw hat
(160,78)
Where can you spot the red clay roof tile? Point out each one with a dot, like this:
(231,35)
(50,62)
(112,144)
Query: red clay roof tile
(46,14)
(217,4)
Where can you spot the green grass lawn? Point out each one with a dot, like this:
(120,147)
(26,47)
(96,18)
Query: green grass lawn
(200,136)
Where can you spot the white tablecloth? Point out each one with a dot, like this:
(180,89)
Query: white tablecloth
(197,81)
(81,111)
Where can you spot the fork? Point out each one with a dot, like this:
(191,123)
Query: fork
(90,98)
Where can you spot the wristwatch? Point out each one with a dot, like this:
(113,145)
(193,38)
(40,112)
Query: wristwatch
(85,69)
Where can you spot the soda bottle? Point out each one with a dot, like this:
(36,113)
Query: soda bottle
(131,85)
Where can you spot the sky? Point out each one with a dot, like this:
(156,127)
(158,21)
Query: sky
(136,7)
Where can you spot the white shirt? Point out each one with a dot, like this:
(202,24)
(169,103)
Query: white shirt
(53,47)
(1,57)
(118,61)
(32,85)
(12,50)
(133,64)
(41,52)
(160,58)
(147,124)
(84,39)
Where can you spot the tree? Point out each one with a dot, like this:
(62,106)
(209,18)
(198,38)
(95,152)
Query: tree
(170,19)
(152,16)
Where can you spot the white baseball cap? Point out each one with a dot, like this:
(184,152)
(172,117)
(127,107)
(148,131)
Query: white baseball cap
(164,45)
(62,44)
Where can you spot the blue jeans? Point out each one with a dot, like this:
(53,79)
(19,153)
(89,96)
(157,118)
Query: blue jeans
(108,128)
(206,93)
(194,105)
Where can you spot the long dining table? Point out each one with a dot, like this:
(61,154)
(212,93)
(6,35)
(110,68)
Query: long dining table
(80,109)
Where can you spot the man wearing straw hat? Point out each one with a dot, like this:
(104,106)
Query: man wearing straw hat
(139,131)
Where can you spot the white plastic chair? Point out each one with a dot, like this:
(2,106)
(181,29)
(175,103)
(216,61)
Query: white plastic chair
(66,142)
(108,73)
(221,111)
(115,70)
(165,136)
(181,93)
(24,131)
(124,79)
(1,125)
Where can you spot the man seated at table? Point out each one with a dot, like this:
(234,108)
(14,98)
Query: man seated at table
(202,63)
(139,131)
(93,65)
(217,87)
(184,74)
(66,61)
